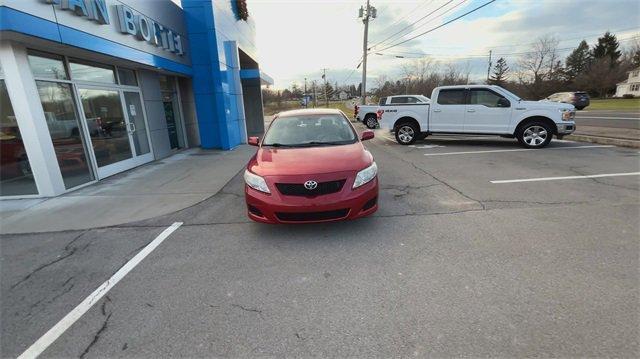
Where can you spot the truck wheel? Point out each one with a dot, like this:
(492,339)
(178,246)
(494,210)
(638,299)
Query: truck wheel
(406,133)
(534,134)
(371,121)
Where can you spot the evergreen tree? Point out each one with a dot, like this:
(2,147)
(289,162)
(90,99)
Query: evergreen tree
(500,71)
(578,61)
(607,47)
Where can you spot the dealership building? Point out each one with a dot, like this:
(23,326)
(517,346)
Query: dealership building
(91,88)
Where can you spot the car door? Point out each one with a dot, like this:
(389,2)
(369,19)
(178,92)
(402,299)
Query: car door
(448,111)
(487,112)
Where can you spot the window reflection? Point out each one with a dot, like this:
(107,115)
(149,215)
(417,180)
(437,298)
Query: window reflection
(85,71)
(47,66)
(66,132)
(15,171)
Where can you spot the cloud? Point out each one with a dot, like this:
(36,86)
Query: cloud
(297,39)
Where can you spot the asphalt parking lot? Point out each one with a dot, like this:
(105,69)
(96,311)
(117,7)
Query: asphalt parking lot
(467,256)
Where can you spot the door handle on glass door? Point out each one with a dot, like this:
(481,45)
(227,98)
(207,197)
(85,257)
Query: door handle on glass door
(132,127)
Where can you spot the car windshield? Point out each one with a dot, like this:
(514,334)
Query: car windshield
(309,130)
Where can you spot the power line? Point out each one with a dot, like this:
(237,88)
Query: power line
(434,18)
(439,26)
(413,23)
(406,15)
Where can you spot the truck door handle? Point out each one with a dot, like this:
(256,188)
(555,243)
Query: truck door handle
(471,110)
(437,110)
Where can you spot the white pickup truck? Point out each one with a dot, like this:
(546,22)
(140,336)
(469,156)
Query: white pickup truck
(478,109)
(367,114)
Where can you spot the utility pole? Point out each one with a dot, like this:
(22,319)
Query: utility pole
(313,85)
(306,98)
(324,77)
(489,68)
(366,14)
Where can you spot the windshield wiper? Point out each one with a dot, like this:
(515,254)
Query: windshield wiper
(276,144)
(319,143)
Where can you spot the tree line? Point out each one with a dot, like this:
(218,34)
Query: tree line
(541,72)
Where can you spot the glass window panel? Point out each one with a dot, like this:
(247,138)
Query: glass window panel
(85,71)
(66,133)
(48,66)
(15,171)
(451,97)
(484,97)
(127,77)
(107,126)
(136,116)
(166,83)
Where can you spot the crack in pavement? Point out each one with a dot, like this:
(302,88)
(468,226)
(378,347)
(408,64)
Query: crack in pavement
(102,329)
(67,247)
(599,181)
(247,309)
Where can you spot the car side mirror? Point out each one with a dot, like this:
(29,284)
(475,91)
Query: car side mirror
(503,102)
(367,135)
(254,141)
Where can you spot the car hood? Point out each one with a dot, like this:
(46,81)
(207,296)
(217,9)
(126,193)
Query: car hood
(546,105)
(270,161)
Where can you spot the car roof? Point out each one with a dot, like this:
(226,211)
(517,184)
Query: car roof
(310,111)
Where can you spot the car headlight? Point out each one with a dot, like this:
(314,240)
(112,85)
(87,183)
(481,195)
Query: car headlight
(256,182)
(366,175)
(568,115)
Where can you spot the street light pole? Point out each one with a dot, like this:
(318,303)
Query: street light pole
(306,98)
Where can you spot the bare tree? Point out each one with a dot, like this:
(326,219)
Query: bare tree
(539,66)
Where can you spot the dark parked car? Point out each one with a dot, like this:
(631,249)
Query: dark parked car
(578,99)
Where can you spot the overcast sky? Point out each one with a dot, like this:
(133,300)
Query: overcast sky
(297,38)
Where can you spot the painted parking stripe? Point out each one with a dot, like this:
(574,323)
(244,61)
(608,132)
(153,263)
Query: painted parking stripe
(516,150)
(57,330)
(566,177)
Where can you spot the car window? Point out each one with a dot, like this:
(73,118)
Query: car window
(307,130)
(413,100)
(485,98)
(451,97)
(399,100)
(382,101)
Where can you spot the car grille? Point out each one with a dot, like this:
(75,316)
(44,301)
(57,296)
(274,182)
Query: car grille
(312,216)
(298,189)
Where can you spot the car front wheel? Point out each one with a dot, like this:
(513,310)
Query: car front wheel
(535,135)
(406,133)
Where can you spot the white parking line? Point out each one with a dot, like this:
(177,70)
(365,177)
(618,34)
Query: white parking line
(57,330)
(566,177)
(515,150)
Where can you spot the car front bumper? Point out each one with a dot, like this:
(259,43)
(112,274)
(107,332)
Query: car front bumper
(566,127)
(344,205)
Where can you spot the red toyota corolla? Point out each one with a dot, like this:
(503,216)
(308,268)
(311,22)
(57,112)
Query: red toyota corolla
(311,167)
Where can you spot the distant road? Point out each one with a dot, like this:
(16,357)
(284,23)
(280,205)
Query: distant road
(616,119)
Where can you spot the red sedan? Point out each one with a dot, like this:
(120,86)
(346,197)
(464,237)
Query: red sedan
(311,167)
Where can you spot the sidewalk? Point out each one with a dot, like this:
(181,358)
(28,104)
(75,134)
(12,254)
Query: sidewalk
(154,189)
(626,137)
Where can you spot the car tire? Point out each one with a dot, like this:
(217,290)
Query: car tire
(406,133)
(371,122)
(580,108)
(534,134)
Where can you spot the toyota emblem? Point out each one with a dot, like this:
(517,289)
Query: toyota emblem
(311,185)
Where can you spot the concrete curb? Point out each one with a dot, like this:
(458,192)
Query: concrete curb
(604,140)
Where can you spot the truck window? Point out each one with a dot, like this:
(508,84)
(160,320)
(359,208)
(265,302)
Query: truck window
(486,98)
(413,100)
(398,100)
(383,101)
(451,97)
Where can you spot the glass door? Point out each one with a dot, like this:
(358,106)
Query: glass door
(112,129)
